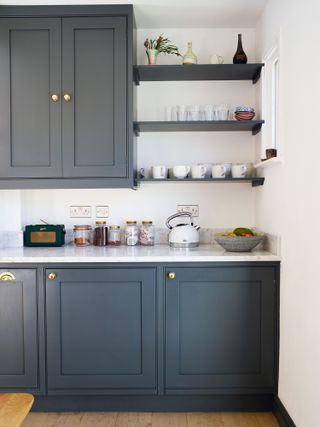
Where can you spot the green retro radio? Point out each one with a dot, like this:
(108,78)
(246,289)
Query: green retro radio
(44,235)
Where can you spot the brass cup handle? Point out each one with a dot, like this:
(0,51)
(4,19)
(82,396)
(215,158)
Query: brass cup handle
(55,97)
(6,275)
(52,276)
(67,97)
(171,275)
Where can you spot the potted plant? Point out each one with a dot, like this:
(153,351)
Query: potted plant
(159,45)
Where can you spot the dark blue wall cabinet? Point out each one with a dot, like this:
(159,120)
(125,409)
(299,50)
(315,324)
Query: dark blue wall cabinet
(18,330)
(101,330)
(220,330)
(65,105)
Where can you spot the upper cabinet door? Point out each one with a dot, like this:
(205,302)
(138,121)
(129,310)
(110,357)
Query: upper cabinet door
(94,71)
(30,121)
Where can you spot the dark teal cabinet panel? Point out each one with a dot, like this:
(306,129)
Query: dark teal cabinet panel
(83,137)
(30,122)
(101,330)
(95,75)
(18,331)
(220,330)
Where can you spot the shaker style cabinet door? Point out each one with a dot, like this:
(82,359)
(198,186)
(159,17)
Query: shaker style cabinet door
(101,330)
(30,114)
(94,69)
(220,330)
(18,330)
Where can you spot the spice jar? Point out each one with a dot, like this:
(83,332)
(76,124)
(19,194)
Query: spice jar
(100,234)
(82,235)
(131,233)
(114,238)
(146,236)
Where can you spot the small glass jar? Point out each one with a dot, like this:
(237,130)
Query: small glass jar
(131,233)
(100,234)
(146,237)
(114,238)
(82,235)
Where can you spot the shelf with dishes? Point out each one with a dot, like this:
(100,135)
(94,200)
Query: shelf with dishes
(253,126)
(255,181)
(210,173)
(152,73)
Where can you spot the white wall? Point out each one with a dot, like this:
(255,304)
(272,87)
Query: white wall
(289,204)
(221,205)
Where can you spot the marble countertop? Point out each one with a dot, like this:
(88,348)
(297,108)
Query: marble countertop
(151,254)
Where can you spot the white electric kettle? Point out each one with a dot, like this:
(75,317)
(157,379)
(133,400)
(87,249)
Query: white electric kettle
(183,235)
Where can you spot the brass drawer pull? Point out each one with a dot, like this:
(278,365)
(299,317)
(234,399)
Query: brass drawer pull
(6,275)
(171,275)
(52,276)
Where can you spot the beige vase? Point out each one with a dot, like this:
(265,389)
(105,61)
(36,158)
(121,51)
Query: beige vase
(189,58)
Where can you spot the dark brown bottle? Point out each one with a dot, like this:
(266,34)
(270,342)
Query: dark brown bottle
(240,57)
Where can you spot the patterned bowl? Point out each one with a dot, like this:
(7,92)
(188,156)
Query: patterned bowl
(244,109)
(238,243)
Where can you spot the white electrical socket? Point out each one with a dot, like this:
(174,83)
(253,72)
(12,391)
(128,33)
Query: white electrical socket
(80,212)
(102,211)
(193,209)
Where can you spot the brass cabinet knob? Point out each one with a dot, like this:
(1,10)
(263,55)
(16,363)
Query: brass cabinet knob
(55,97)
(52,276)
(67,97)
(6,275)
(171,275)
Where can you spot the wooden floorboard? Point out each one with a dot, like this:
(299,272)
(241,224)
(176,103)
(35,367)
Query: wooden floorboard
(151,419)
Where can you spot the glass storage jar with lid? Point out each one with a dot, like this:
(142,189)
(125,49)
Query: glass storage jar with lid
(132,233)
(100,234)
(114,238)
(146,236)
(82,235)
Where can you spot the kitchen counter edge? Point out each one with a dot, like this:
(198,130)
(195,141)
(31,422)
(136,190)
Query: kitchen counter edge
(127,254)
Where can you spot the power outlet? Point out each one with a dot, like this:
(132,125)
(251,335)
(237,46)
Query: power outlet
(102,211)
(80,212)
(193,209)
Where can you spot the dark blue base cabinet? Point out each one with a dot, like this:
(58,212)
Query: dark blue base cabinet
(220,325)
(101,331)
(135,337)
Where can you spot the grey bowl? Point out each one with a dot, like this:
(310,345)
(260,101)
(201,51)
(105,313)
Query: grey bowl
(238,243)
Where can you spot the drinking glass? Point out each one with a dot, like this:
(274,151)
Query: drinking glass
(181,113)
(209,112)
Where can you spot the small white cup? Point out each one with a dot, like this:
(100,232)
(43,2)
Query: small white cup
(239,170)
(198,171)
(181,172)
(219,170)
(216,59)
(159,172)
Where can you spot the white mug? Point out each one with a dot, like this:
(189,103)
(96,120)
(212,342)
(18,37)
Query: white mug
(181,171)
(219,170)
(239,170)
(216,59)
(159,172)
(198,171)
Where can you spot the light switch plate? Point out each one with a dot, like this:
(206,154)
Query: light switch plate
(102,211)
(80,212)
(193,209)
